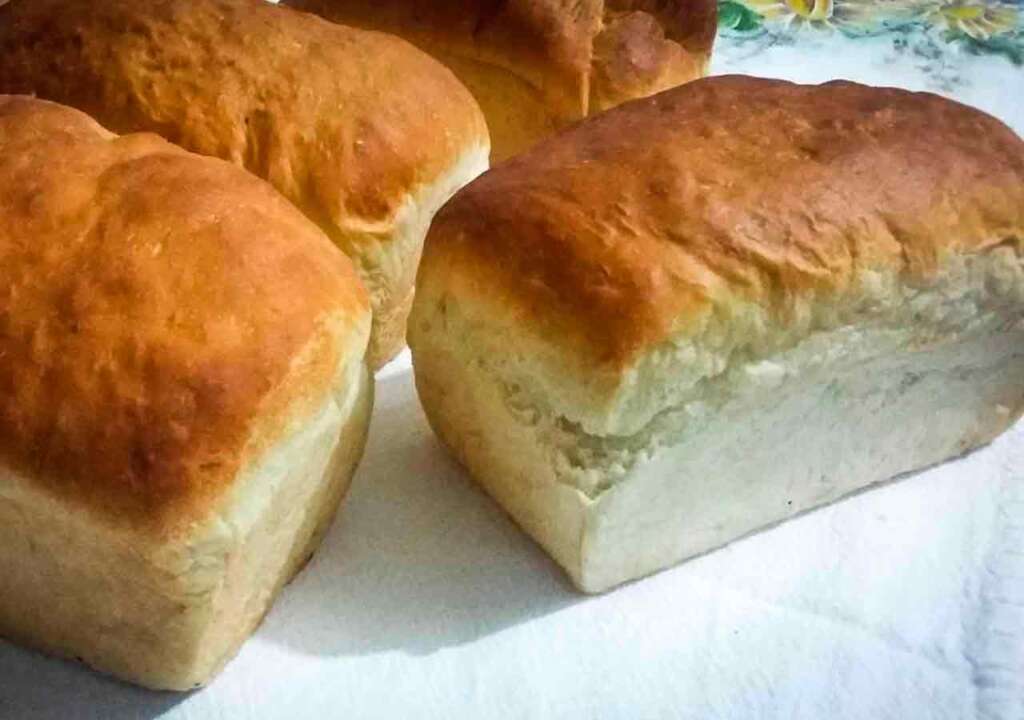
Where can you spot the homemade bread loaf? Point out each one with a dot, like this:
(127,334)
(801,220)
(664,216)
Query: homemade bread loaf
(704,312)
(367,135)
(183,396)
(538,65)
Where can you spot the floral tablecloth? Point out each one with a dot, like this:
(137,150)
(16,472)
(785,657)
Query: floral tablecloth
(971,50)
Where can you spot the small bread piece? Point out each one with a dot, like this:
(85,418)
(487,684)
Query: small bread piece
(183,396)
(536,66)
(367,135)
(707,311)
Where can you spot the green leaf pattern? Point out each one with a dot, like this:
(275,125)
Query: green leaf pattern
(993,27)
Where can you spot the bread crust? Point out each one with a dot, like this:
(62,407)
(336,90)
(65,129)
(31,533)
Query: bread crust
(352,126)
(639,225)
(164,317)
(577,57)
(698,314)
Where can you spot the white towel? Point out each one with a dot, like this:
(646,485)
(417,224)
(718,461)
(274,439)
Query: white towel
(904,602)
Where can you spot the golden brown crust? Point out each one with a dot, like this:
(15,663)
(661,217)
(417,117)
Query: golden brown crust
(691,24)
(580,57)
(545,42)
(349,125)
(637,224)
(643,49)
(345,123)
(162,316)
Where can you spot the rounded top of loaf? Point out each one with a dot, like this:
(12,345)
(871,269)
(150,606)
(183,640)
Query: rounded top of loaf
(163,316)
(346,123)
(669,215)
(581,56)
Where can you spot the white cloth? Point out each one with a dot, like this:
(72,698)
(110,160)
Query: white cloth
(904,602)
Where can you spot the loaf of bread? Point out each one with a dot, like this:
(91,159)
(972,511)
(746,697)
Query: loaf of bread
(183,396)
(538,65)
(704,312)
(367,135)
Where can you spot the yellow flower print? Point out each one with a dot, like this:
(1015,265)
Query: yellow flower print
(978,19)
(849,15)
